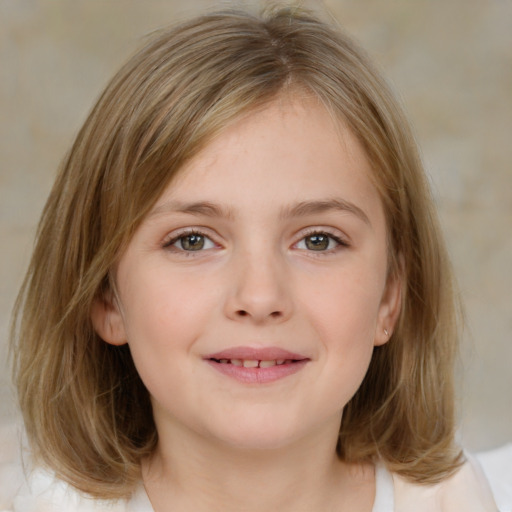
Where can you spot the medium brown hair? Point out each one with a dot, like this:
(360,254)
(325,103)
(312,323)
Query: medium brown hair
(87,413)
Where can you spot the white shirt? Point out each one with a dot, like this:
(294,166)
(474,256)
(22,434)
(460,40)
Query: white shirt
(479,486)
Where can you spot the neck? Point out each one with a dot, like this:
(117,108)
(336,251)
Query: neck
(302,476)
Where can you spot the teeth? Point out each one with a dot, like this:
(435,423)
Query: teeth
(251,363)
(255,363)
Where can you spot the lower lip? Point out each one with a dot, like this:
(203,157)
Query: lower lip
(258,375)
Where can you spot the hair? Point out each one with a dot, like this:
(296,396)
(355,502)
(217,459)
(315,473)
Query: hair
(88,415)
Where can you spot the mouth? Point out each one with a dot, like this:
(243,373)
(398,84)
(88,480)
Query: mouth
(257,365)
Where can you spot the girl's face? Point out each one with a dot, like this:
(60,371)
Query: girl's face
(254,292)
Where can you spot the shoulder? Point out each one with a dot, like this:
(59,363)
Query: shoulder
(43,491)
(467,490)
(36,490)
(497,466)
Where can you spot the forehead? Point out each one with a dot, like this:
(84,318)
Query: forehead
(291,148)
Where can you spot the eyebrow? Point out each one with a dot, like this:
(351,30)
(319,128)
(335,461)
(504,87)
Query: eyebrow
(301,209)
(205,208)
(305,208)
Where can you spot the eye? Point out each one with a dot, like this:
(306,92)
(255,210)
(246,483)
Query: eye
(320,242)
(190,242)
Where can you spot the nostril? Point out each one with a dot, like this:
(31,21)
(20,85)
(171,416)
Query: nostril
(273,314)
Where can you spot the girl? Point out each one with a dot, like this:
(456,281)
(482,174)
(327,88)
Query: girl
(239,297)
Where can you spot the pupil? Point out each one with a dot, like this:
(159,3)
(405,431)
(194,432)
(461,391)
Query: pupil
(317,242)
(192,242)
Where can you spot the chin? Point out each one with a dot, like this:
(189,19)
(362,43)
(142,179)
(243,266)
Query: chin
(259,435)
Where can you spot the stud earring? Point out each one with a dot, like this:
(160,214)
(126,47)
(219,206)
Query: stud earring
(386,332)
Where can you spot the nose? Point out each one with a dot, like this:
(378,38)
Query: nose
(260,290)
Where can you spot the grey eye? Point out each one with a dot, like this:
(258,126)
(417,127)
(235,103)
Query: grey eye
(318,242)
(193,242)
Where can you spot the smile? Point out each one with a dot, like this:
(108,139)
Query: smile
(254,363)
(257,365)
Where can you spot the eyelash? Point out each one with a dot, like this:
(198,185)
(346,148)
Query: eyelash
(168,244)
(340,242)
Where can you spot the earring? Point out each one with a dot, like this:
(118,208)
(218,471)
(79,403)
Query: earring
(386,333)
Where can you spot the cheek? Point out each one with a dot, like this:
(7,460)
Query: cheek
(344,304)
(164,314)
(347,351)
(344,314)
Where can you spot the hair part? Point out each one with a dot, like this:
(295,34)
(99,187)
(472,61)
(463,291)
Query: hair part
(87,413)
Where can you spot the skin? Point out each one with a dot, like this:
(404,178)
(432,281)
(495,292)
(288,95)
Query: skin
(258,281)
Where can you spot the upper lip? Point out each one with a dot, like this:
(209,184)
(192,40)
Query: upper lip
(256,353)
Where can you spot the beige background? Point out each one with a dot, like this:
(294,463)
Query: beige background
(452,63)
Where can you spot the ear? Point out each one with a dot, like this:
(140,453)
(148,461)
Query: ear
(108,321)
(389,309)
